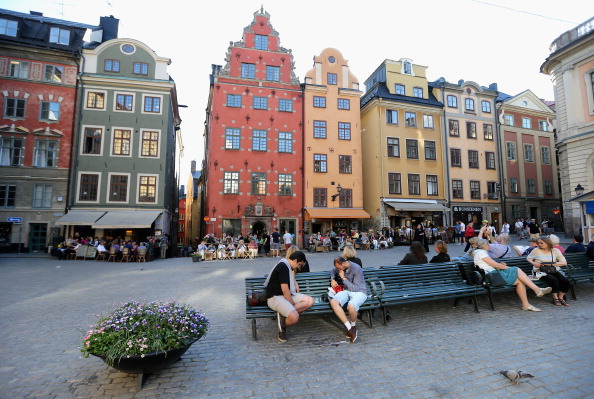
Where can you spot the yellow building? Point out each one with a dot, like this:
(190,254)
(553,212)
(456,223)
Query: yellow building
(333,188)
(403,160)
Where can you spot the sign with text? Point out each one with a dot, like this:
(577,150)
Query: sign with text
(467,209)
(15,220)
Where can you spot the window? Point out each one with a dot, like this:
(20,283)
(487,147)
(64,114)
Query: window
(319,102)
(248,71)
(59,36)
(471,130)
(8,27)
(412,149)
(14,108)
(410,119)
(272,73)
(259,140)
(232,227)
(232,138)
(118,188)
(475,189)
(140,68)
(490,159)
(285,142)
(346,198)
(234,100)
(452,101)
(320,129)
(394,183)
(492,190)
(320,163)
(456,156)
(399,89)
(260,102)
(545,155)
(516,211)
(428,121)
(7,195)
(46,153)
(530,186)
(454,128)
(285,184)
(19,69)
(50,111)
(344,131)
(345,164)
(418,92)
(112,66)
(469,104)
(394,147)
(527,123)
(231,183)
(258,183)
(89,186)
(152,104)
(513,184)
(432,188)
(430,151)
(392,116)
(121,142)
(12,151)
(508,120)
(149,144)
(511,150)
(124,102)
(548,187)
(473,161)
(285,105)
(344,103)
(42,196)
(261,42)
(320,197)
(488,131)
(528,153)
(332,78)
(147,190)
(486,105)
(457,190)
(542,125)
(414,184)
(92,141)
(407,68)
(95,100)
(53,73)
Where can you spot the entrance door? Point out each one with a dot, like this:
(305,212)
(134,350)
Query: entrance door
(534,212)
(258,228)
(37,237)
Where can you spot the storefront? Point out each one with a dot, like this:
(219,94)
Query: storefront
(411,212)
(321,220)
(586,202)
(468,214)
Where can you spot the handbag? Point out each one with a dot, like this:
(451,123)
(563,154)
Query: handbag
(547,267)
(257,298)
(495,279)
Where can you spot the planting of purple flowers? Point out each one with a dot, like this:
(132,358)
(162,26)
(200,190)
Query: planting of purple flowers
(138,329)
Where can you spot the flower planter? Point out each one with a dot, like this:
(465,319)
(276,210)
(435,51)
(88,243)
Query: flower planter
(195,258)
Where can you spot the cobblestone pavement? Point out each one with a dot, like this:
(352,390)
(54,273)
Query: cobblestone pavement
(428,350)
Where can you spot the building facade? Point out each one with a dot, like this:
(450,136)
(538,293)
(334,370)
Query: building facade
(253,151)
(530,182)
(194,201)
(402,144)
(571,67)
(333,184)
(38,78)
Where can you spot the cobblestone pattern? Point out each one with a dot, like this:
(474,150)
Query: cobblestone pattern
(428,350)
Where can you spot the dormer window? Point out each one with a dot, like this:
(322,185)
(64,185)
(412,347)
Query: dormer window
(8,27)
(261,42)
(141,68)
(112,66)
(418,92)
(407,68)
(59,36)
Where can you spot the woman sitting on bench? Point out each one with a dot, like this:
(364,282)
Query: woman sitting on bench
(547,253)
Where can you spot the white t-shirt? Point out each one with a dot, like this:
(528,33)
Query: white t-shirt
(287,238)
(479,255)
(462,227)
(505,228)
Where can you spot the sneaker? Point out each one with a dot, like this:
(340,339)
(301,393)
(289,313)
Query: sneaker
(352,334)
(543,291)
(282,335)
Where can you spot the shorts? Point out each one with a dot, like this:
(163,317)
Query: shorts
(280,304)
(275,245)
(353,298)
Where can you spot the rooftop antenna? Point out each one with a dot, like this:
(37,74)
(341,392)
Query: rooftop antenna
(61,4)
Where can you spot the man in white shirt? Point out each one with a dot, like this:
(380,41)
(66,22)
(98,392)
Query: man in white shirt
(519,228)
(288,239)
(462,231)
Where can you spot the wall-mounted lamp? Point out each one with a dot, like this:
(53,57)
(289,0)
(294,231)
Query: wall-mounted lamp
(214,210)
(579,190)
(338,191)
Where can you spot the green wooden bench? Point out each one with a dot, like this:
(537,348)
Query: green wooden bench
(314,284)
(580,268)
(403,284)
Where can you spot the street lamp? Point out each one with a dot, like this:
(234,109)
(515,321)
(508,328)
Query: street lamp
(579,190)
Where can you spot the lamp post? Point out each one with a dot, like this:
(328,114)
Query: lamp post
(579,190)
(338,191)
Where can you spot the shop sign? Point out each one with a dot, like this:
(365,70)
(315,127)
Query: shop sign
(468,209)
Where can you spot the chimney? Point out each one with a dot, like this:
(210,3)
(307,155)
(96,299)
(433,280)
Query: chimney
(493,86)
(110,27)
(460,82)
(193,166)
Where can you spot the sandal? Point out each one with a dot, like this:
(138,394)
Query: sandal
(562,301)
(557,302)
(531,308)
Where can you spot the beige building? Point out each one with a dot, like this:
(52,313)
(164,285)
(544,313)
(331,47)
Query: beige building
(333,188)
(403,159)
(571,66)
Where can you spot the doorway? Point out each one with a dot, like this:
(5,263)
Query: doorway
(37,237)
(258,228)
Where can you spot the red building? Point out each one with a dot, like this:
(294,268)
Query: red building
(253,160)
(181,221)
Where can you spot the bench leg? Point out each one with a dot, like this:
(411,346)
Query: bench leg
(369,312)
(384,321)
(490,296)
(475,304)
(254,334)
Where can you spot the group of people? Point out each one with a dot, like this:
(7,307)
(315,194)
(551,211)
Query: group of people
(242,246)
(155,246)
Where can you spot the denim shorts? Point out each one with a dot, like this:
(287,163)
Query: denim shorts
(275,245)
(353,298)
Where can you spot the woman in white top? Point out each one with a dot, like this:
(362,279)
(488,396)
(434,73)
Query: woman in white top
(511,275)
(505,228)
(546,252)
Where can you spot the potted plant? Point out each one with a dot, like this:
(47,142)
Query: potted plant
(196,257)
(141,338)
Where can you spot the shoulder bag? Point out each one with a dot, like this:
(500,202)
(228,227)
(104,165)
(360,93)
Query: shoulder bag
(495,279)
(547,267)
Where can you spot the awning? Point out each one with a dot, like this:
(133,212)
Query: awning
(79,218)
(336,213)
(126,220)
(415,206)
